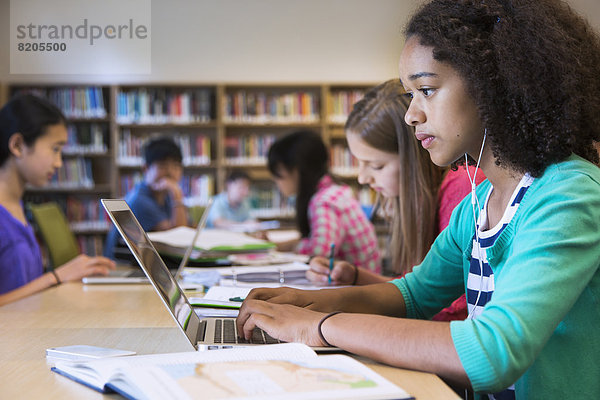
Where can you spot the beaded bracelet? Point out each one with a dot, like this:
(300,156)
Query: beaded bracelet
(58,281)
(321,323)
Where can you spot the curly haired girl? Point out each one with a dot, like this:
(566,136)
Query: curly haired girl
(513,86)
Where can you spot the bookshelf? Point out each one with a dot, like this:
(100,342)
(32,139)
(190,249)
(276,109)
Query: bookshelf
(219,127)
(186,113)
(253,117)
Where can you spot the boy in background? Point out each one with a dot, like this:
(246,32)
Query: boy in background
(157,201)
(232,206)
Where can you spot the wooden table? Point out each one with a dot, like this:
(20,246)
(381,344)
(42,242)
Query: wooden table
(129,317)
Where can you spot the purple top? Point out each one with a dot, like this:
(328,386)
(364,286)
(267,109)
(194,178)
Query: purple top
(20,257)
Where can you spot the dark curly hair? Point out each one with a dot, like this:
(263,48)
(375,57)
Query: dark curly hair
(533,68)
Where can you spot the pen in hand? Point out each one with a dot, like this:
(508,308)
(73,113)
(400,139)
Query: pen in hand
(331,251)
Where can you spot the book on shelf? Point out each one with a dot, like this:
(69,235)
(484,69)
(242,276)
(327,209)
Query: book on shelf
(195,149)
(85,138)
(85,214)
(343,162)
(197,189)
(341,103)
(129,149)
(74,173)
(74,102)
(278,371)
(268,198)
(248,149)
(164,105)
(244,106)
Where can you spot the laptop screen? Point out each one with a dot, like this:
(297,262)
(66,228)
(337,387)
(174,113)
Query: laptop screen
(158,273)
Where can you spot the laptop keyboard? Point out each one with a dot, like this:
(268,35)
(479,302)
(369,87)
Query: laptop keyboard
(226,333)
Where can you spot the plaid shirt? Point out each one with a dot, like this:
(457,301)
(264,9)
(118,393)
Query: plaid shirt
(335,216)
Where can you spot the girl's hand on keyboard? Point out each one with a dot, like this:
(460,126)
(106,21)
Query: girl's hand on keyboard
(318,300)
(281,321)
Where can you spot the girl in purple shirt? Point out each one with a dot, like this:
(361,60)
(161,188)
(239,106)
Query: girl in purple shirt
(32,134)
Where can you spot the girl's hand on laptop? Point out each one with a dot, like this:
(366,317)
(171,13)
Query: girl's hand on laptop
(82,266)
(343,273)
(281,321)
(318,300)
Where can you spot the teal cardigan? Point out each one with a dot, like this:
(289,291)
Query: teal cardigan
(541,329)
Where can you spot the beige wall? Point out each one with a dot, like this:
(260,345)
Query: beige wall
(267,41)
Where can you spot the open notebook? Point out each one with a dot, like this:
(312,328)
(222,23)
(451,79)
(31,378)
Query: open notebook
(283,372)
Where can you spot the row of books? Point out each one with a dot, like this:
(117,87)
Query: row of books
(74,102)
(197,189)
(248,149)
(341,103)
(245,106)
(86,138)
(268,202)
(85,214)
(195,149)
(343,163)
(74,173)
(162,105)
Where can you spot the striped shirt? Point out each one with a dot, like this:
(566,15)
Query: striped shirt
(335,216)
(480,286)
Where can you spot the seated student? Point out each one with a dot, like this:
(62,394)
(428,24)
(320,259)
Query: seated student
(157,201)
(232,206)
(326,212)
(32,135)
(499,82)
(392,161)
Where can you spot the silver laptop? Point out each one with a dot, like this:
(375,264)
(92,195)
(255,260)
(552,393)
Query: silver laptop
(202,333)
(138,276)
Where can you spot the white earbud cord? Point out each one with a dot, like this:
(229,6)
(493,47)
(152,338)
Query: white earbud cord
(475,201)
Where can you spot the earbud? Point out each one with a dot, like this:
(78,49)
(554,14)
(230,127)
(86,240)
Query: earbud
(474,203)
